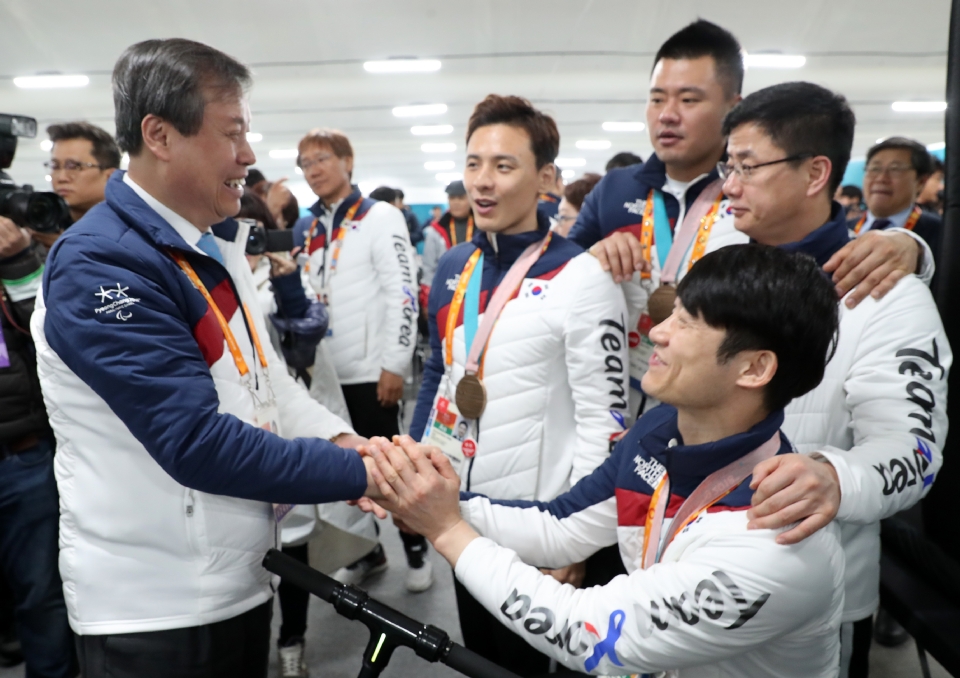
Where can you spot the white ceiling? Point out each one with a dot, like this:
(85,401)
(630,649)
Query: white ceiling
(583,61)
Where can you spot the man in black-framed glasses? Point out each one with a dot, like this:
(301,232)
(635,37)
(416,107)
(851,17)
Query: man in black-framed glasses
(82,158)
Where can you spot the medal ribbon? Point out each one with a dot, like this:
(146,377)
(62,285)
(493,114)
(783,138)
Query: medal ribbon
(910,224)
(504,292)
(457,302)
(714,487)
(231,340)
(655,221)
(453,229)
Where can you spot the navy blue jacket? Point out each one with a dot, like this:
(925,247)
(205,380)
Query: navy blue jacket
(152,370)
(604,210)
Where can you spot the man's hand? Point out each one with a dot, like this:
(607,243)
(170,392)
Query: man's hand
(389,389)
(280,265)
(793,488)
(571,574)
(45,239)
(13,239)
(873,264)
(621,254)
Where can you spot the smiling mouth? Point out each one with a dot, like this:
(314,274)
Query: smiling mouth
(236,184)
(484,204)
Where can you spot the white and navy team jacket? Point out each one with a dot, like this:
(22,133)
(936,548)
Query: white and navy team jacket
(723,601)
(555,368)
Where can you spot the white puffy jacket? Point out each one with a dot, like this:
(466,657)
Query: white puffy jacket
(554,371)
(153,427)
(372,292)
(879,416)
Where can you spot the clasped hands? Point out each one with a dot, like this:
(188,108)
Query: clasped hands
(417,484)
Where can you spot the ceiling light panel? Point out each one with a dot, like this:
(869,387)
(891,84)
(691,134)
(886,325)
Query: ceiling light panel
(418,110)
(919,106)
(774,60)
(402,66)
(431,130)
(51,81)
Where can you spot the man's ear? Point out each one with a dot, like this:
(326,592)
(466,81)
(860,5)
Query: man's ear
(157,136)
(110,171)
(820,169)
(548,178)
(757,369)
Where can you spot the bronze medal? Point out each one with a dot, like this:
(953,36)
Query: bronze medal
(471,396)
(660,304)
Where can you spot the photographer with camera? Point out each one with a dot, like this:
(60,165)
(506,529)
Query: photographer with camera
(29,504)
(82,159)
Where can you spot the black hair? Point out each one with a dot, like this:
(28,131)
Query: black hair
(851,191)
(920,158)
(252,206)
(399,193)
(705,39)
(801,119)
(104,151)
(519,112)
(766,298)
(291,211)
(384,194)
(254,177)
(624,159)
(173,79)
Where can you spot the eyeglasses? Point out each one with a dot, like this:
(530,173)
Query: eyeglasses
(895,170)
(745,172)
(306,164)
(69,166)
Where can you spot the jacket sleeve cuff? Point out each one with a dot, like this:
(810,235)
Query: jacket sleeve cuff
(21,274)
(288,290)
(927,266)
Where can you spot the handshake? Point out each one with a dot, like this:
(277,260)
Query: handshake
(417,484)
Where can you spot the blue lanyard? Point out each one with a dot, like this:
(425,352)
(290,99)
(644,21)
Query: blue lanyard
(661,228)
(471,309)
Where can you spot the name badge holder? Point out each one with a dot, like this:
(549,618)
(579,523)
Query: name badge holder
(266,413)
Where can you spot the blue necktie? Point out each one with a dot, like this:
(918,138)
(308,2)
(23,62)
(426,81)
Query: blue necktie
(880,224)
(209,247)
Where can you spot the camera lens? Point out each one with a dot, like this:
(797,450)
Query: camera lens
(42,212)
(257,240)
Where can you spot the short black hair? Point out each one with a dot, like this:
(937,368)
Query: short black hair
(252,206)
(851,191)
(623,159)
(105,150)
(802,119)
(399,192)
(919,155)
(705,39)
(766,298)
(173,79)
(254,177)
(384,194)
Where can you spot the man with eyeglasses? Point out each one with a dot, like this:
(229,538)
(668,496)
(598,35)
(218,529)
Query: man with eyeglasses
(869,436)
(360,262)
(82,159)
(896,171)
(696,79)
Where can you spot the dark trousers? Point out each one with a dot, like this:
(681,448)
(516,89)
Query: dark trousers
(860,657)
(234,648)
(29,524)
(369,417)
(294,601)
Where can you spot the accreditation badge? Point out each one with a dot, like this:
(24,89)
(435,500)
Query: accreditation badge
(451,432)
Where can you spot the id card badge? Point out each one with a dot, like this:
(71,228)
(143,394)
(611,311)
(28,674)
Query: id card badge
(451,432)
(268,418)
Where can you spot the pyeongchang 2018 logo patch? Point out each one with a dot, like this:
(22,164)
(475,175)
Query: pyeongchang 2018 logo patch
(116,302)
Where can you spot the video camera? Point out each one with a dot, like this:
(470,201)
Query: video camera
(42,211)
(261,240)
